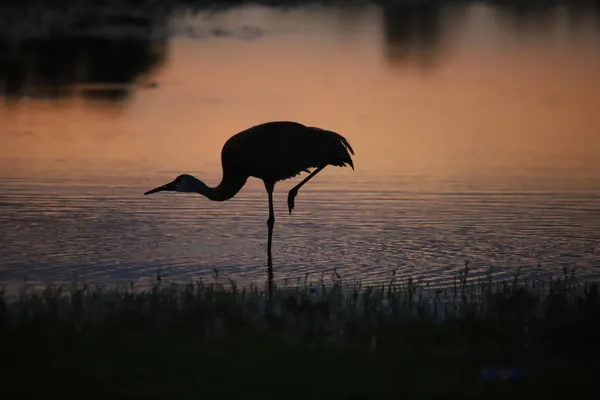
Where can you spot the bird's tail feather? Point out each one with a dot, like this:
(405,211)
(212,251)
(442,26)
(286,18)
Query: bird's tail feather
(339,149)
(350,149)
(347,145)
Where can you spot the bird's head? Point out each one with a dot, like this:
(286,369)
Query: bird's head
(183,183)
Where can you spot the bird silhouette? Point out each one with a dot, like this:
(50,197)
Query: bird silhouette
(272,151)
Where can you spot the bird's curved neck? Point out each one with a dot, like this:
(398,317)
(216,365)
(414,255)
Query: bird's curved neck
(225,190)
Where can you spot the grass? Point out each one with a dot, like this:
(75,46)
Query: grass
(329,340)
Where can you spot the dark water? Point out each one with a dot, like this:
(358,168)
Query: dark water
(476,130)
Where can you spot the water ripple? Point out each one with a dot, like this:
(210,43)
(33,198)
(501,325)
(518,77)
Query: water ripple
(116,234)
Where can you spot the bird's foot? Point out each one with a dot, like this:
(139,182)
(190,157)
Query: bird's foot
(291,196)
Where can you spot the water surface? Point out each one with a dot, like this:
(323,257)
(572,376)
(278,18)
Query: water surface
(476,130)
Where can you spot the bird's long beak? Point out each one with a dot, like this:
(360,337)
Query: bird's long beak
(169,186)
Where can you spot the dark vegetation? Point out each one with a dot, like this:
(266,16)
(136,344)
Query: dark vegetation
(328,340)
(207,4)
(107,50)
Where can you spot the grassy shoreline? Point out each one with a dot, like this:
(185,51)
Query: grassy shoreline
(332,340)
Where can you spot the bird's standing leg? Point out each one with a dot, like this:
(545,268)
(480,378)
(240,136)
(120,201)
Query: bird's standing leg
(294,191)
(270,224)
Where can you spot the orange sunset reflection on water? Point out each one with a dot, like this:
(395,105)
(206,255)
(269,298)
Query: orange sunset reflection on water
(472,142)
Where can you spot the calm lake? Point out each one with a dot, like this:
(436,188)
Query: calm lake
(476,129)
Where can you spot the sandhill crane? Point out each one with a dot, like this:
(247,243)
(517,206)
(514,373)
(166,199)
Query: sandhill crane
(272,151)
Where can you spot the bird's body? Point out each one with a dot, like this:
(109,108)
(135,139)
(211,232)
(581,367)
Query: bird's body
(272,152)
(277,151)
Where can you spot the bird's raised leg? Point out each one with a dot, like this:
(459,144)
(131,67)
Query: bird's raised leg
(270,225)
(294,191)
